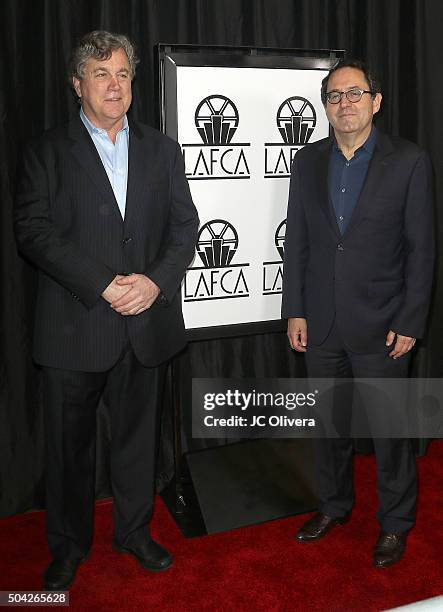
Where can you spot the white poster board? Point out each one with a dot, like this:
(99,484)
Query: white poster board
(239,129)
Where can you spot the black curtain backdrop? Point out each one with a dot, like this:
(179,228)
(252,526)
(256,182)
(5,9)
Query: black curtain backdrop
(401,39)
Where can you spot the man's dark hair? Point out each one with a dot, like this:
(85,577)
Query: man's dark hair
(352,62)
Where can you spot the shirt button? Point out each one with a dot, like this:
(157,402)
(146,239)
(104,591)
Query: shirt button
(347,163)
(343,189)
(340,247)
(341,218)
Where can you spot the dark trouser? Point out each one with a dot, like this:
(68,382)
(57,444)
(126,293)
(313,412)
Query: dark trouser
(396,468)
(133,394)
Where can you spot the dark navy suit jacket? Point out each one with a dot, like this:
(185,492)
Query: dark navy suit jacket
(375,277)
(68,224)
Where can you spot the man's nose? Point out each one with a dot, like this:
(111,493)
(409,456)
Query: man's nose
(344,100)
(114,83)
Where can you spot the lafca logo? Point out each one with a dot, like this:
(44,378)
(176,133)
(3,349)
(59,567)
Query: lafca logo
(296,120)
(273,270)
(216,121)
(218,278)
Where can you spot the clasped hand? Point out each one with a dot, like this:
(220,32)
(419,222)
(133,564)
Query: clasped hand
(132,294)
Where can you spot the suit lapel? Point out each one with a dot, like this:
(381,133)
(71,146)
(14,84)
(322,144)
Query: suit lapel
(378,167)
(84,151)
(321,183)
(141,162)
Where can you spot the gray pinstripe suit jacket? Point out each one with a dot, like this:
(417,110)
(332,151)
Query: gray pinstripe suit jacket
(68,224)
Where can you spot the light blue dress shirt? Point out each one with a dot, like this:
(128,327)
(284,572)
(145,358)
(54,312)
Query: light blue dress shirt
(114,157)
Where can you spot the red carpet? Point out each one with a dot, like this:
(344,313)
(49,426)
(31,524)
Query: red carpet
(256,568)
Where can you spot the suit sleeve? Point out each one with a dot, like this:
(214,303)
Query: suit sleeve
(168,269)
(40,241)
(419,251)
(296,250)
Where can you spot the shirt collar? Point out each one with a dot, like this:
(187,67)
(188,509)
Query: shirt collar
(368,146)
(92,129)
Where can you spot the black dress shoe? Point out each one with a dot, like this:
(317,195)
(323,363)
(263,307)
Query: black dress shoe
(60,574)
(318,526)
(389,549)
(149,554)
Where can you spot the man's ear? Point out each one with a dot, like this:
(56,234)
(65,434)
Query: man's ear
(76,85)
(376,102)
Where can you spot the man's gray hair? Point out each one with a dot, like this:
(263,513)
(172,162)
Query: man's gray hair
(99,45)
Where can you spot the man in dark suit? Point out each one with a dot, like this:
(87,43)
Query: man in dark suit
(357,281)
(105,213)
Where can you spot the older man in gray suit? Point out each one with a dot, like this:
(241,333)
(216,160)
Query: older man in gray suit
(105,213)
